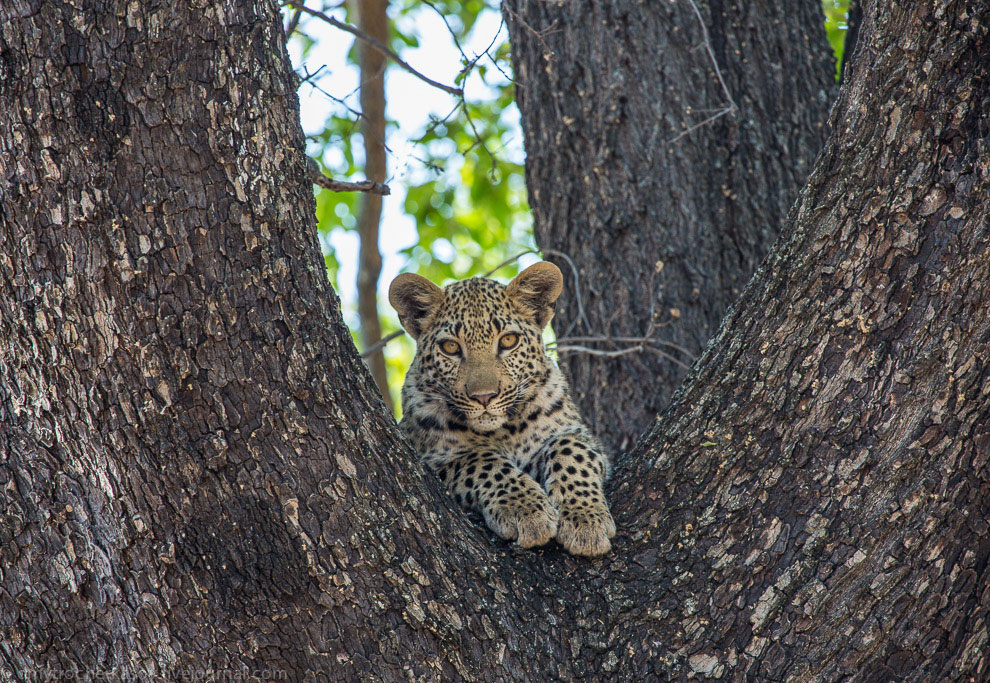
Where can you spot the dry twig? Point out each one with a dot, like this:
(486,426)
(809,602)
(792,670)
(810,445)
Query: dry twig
(628,340)
(381,343)
(508,261)
(344,186)
(577,288)
(540,35)
(731,106)
(646,342)
(293,23)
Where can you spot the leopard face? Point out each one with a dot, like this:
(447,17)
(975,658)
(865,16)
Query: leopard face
(484,358)
(480,355)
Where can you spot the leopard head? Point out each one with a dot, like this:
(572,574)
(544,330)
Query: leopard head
(479,344)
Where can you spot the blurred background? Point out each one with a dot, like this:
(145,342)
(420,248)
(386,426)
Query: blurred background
(451,152)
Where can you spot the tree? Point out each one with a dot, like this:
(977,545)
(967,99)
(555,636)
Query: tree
(198,473)
(372,20)
(669,136)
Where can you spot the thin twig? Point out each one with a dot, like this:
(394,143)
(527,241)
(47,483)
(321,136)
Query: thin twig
(652,324)
(711,54)
(731,106)
(369,186)
(598,352)
(484,52)
(646,342)
(568,348)
(508,261)
(384,49)
(450,29)
(359,115)
(311,75)
(469,64)
(381,343)
(293,23)
(479,140)
(377,74)
(627,340)
(510,79)
(548,53)
(436,123)
(334,98)
(577,288)
(688,131)
(667,356)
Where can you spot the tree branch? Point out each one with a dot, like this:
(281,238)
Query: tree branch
(381,343)
(344,186)
(378,45)
(293,23)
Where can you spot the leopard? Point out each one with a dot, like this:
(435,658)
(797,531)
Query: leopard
(492,415)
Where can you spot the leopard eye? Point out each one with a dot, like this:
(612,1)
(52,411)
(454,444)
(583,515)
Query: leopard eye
(450,347)
(508,341)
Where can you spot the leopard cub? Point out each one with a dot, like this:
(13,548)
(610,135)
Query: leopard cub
(492,415)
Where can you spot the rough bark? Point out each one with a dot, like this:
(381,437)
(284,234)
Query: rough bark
(197,472)
(608,92)
(826,505)
(373,20)
(179,399)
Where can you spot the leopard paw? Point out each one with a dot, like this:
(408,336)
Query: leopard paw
(528,523)
(586,532)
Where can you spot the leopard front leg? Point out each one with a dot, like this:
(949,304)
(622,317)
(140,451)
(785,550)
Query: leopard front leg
(574,473)
(514,506)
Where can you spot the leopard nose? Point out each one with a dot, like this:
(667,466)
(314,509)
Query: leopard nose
(484,398)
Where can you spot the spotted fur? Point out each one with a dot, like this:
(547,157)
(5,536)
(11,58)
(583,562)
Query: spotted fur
(494,419)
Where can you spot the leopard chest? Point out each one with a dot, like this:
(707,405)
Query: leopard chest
(519,441)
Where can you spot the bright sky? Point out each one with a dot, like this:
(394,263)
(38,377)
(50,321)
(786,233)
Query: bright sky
(410,102)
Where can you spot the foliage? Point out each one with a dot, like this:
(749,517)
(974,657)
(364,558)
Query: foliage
(836,26)
(473,215)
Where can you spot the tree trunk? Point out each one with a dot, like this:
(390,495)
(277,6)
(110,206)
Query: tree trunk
(824,469)
(197,474)
(635,156)
(373,20)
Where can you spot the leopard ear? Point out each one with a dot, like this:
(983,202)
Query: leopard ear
(415,299)
(535,290)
